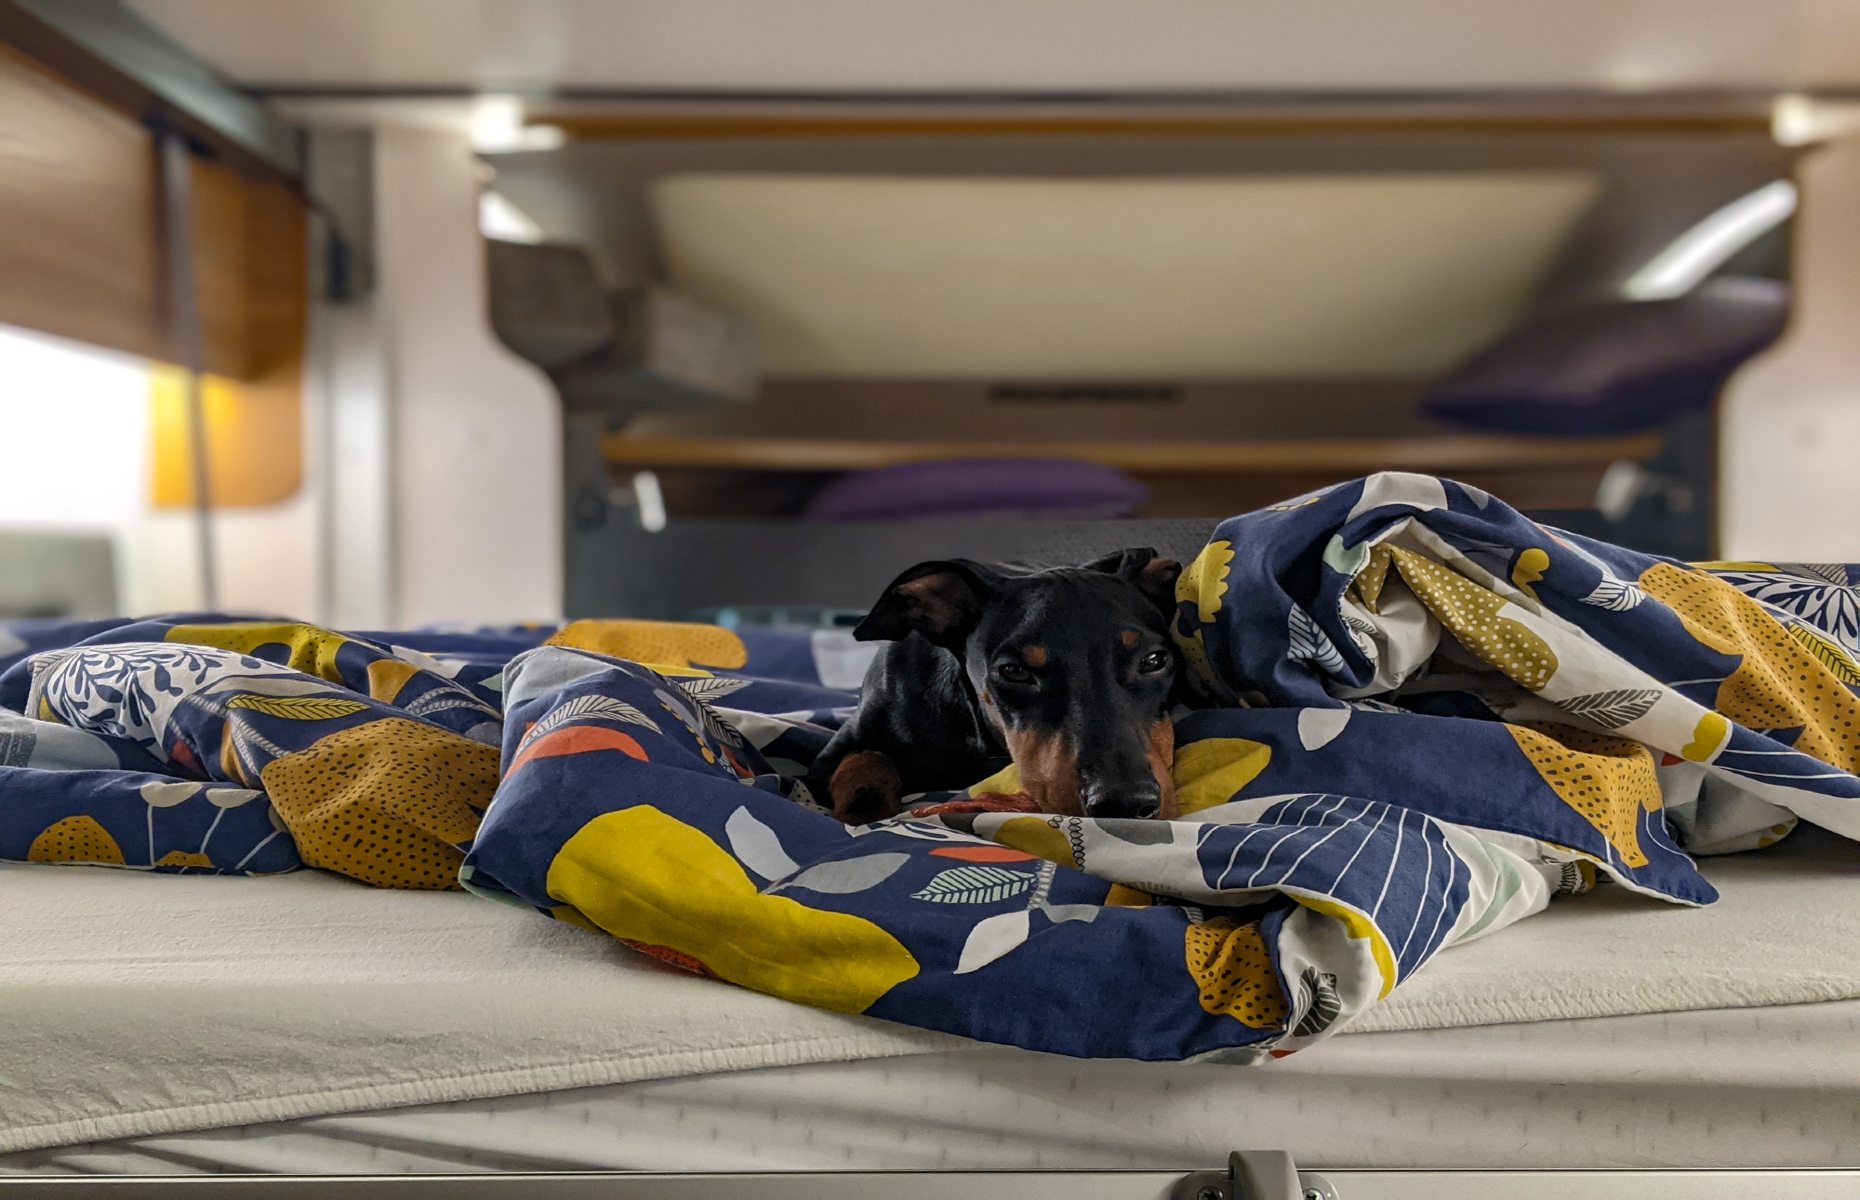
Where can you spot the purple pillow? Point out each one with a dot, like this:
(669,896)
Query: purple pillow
(1047,487)
(1615,368)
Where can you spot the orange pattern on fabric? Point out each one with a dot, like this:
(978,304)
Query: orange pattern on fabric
(577,739)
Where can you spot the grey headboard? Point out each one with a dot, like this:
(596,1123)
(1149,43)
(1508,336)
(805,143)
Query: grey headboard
(619,569)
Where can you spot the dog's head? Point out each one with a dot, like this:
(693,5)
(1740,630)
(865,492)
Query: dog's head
(1073,665)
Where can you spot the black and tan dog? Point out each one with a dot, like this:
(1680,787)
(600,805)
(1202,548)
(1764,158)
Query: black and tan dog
(1068,672)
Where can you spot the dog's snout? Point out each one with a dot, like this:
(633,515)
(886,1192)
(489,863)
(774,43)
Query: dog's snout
(1140,798)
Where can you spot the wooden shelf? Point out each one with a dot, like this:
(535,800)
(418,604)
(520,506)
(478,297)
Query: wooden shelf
(1344,456)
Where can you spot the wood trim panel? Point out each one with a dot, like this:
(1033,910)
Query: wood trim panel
(78,243)
(82,257)
(663,126)
(1343,455)
(251,268)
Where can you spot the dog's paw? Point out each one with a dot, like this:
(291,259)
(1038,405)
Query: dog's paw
(866,788)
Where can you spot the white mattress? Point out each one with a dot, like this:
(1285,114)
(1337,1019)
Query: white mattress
(1608,1031)
(1764,1088)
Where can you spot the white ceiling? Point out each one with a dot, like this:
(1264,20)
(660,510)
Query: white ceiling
(1282,277)
(1023,45)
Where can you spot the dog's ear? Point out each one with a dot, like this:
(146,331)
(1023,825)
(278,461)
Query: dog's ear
(1153,575)
(941,600)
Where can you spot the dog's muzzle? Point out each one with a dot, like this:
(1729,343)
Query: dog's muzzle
(1139,799)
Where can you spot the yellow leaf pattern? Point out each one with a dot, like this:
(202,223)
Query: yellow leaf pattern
(1529,569)
(1211,771)
(659,643)
(312,649)
(1830,654)
(1779,683)
(646,877)
(1204,582)
(299,708)
(75,840)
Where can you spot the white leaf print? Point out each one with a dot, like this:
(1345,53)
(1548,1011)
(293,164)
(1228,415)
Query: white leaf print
(447,667)
(756,846)
(1318,727)
(1311,643)
(974,885)
(1835,573)
(713,688)
(592,708)
(440,701)
(1318,1001)
(226,797)
(1612,710)
(1615,595)
(918,829)
(993,938)
(847,875)
(1363,634)
(1060,913)
(167,794)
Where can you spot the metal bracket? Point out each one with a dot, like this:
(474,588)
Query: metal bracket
(340,179)
(1261,1175)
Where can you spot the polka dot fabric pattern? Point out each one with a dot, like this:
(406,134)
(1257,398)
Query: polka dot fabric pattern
(1234,969)
(1476,617)
(1436,715)
(390,803)
(1609,781)
(1779,683)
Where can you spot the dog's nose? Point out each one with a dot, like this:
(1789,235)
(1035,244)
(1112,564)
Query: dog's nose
(1140,800)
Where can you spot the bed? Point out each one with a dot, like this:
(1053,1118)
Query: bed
(191,1048)
(191,1023)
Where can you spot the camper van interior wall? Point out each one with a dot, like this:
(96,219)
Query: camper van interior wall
(1375,714)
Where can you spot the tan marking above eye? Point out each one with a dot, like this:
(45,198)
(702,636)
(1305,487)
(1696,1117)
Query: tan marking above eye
(1035,656)
(1130,638)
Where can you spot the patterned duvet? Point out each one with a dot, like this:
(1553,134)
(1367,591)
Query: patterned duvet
(1447,715)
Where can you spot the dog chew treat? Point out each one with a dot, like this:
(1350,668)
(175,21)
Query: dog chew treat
(1230,962)
(1607,780)
(1780,683)
(75,840)
(1471,614)
(388,802)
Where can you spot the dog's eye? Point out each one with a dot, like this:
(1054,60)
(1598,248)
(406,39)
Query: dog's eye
(1154,661)
(1013,672)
